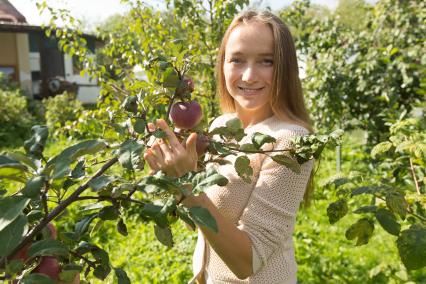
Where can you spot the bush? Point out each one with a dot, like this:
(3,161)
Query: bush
(15,120)
(60,109)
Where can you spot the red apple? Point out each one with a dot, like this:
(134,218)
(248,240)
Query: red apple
(202,144)
(186,85)
(186,115)
(49,266)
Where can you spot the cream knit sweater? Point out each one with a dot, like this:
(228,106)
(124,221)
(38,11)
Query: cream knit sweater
(265,209)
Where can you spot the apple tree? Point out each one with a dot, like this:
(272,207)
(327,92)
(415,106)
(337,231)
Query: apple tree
(103,176)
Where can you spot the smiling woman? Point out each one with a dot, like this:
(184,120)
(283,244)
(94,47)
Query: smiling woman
(249,70)
(258,83)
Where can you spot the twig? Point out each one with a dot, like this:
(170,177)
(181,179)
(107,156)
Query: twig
(44,199)
(414,176)
(102,198)
(59,209)
(257,151)
(88,261)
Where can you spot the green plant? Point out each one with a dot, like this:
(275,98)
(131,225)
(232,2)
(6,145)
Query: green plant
(391,193)
(60,109)
(15,120)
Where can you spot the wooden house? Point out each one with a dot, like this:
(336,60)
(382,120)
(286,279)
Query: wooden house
(30,58)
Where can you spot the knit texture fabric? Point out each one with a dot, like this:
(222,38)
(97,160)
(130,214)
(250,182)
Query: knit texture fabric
(265,209)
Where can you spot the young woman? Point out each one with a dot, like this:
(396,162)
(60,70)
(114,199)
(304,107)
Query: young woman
(258,82)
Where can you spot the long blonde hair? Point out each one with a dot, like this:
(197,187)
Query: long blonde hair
(287,102)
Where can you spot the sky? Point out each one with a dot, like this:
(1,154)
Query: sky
(93,12)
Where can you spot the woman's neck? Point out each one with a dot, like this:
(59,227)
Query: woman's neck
(249,118)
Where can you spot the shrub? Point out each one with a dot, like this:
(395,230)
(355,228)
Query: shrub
(60,109)
(15,120)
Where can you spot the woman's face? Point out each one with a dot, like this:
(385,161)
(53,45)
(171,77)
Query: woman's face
(249,67)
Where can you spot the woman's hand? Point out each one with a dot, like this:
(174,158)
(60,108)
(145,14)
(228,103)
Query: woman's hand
(169,155)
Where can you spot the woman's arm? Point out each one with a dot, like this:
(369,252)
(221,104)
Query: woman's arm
(175,159)
(230,243)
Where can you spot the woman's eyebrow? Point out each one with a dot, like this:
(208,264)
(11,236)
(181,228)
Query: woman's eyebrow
(237,53)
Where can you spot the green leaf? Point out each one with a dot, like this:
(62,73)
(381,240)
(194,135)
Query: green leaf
(108,213)
(79,170)
(170,78)
(159,183)
(48,247)
(362,230)
(20,157)
(259,139)
(101,256)
(34,186)
(223,131)
(82,226)
(202,217)
(121,275)
(101,182)
(160,134)
(140,125)
(129,154)
(388,221)
(234,124)
(381,148)
(36,278)
(412,247)
(249,148)
(243,168)
(366,209)
(10,167)
(130,104)
(337,210)
(14,266)
(203,180)
(287,161)
(164,235)
(11,208)
(337,180)
(150,210)
(122,228)
(396,202)
(11,235)
(101,272)
(35,145)
(183,214)
(61,162)
(68,275)
(365,190)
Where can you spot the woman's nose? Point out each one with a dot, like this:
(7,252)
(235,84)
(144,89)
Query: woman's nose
(249,74)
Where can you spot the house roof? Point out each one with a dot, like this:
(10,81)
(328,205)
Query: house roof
(10,27)
(8,13)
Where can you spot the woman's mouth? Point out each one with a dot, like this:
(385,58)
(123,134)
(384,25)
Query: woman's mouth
(251,91)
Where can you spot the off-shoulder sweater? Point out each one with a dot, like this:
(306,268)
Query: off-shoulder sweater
(265,209)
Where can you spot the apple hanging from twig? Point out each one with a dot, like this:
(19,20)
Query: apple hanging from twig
(186,115)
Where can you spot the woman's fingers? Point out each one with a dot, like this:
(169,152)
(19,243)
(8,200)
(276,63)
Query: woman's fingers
(166,152)
(191,145)
(158,152)
(174,142)
(151,160)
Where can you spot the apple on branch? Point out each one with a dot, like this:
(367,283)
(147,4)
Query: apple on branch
(49,266)
(186,115)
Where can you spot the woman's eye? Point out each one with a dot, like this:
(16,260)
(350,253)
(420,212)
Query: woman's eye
(235,60)
(268,62)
